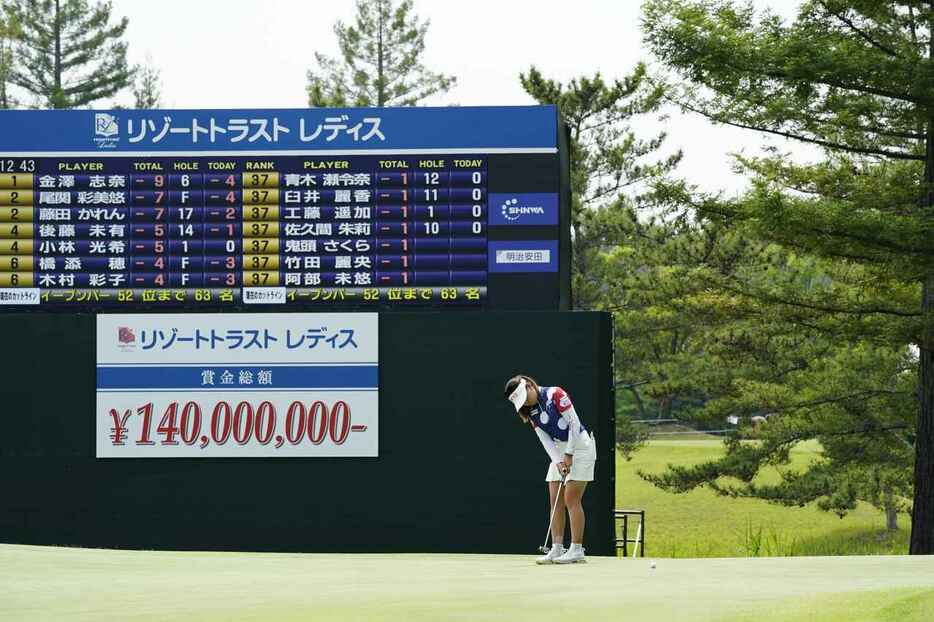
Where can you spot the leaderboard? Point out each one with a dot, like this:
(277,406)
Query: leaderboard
(204,227)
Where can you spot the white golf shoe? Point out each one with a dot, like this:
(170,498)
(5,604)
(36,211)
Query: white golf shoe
(574,555)
(557,550)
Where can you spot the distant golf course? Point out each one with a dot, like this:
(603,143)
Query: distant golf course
(703,524)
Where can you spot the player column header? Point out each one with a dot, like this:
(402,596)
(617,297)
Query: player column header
(531,129)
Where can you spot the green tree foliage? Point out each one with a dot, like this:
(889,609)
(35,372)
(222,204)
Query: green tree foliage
(856,79)
(706,352)
(147,88)
(9,33)
(69,54)
(657,283)
(610,164)
(380,61)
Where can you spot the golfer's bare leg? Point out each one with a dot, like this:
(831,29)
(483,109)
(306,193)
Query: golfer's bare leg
(573,493)
(557,526)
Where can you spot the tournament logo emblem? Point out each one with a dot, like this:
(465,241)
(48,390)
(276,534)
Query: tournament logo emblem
(125,335)
(105,125)
(106,130)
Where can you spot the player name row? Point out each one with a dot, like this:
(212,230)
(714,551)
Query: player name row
(212,198)
(417,178)
(136,231)
(223,214)
(245,279)
(256,246)
(226,263)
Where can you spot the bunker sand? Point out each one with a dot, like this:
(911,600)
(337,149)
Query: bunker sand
(50,583)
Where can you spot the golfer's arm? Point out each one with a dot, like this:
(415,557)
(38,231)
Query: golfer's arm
(549,445)
(574,430)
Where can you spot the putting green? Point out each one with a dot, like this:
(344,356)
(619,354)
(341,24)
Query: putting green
(49,583)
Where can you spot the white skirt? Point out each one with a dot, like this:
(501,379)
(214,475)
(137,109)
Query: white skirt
(581,468)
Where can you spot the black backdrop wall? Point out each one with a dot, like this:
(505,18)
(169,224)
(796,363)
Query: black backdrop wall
(457,472)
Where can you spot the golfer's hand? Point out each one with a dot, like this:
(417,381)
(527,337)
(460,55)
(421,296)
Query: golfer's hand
(564,468)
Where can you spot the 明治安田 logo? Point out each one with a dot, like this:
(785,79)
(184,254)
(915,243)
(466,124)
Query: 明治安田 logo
(532,208)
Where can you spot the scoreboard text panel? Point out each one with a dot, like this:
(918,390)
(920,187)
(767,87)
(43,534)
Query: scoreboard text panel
(207,226)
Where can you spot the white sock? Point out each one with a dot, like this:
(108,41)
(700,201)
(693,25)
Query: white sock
(576,547)
(558,545)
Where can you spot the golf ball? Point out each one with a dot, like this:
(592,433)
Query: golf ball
(652,565)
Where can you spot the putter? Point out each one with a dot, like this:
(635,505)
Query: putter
(544,548)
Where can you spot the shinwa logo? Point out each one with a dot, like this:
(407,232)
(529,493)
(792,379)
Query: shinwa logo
(105,125)
(511,212)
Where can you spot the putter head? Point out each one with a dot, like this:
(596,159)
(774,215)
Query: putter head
(543,549)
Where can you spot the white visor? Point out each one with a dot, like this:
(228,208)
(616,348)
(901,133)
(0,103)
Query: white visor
(519,396)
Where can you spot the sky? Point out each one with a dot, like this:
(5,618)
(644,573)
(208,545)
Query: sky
(255,54)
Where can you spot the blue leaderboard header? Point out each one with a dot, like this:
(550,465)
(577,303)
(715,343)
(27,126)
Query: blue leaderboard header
(511,129)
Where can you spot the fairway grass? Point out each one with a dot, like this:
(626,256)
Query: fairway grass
(62,584)
(701,523)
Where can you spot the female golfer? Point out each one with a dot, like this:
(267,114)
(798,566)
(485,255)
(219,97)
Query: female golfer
(572,450)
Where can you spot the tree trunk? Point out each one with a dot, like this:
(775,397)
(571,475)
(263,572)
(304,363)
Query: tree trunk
(57,69)
(4,71)
(58,97)
(635,394)
(891,510)
(380,89)
(922,511)
(577,268)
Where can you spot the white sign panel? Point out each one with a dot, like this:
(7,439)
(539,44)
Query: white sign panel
(237,385)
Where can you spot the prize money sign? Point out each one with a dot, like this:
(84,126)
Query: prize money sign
(311,208)
(237,385)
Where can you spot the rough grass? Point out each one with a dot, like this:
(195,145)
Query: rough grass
(701,523)
(80,585)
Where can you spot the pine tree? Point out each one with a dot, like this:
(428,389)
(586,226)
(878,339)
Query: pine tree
(706,352)
(855,79)
(9,33)
(380,61)
(610,164)
(147,88)
(69,54)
